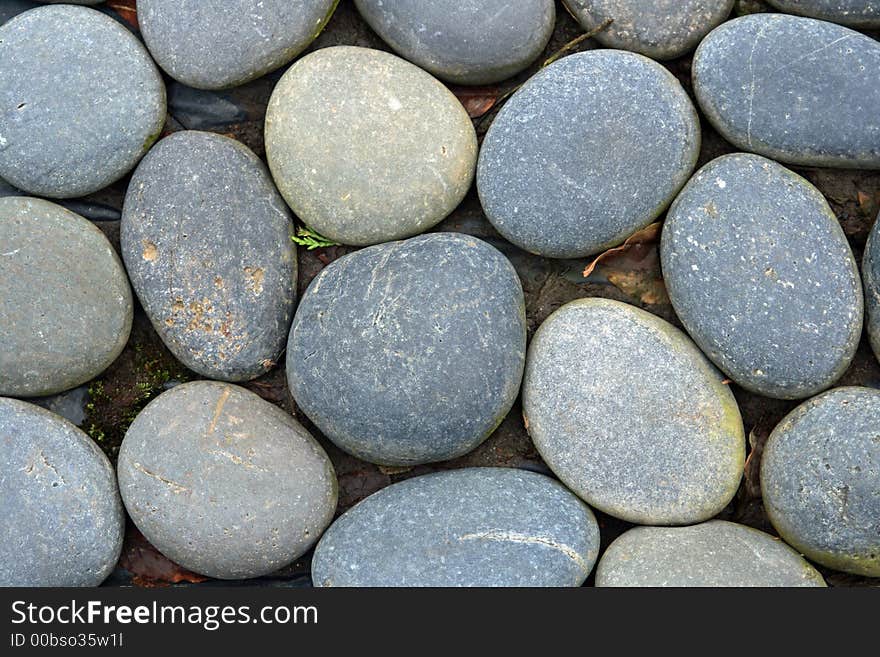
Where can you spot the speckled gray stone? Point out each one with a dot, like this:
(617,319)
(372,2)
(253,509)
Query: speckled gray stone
(66,308)
(629,414)
(871,278)
(471,527)
(715,553)
(564,171)
(62,518)
(820,479)
(855,13)
(366,147)
(464,41)
(797,90)
(410,352)
(223,482)
(206,241)
(660,29)
(215,44)
(74,119)
(761,275)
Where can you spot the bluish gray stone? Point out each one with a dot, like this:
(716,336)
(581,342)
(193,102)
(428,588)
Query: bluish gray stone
(660,29)
(366,147)
(62,517)
(71,404)
(74,119)
(820,479)
(66,308)
(715,553)
(628,413)
(471,527)
(797,90)
(223,482)
(206,241)
(862,14)
(761,275)
(871,278)
(214,44)
(564,170)
(410,352)
(464,41)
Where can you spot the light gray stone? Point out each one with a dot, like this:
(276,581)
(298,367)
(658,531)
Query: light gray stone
(871,278)
(862,14)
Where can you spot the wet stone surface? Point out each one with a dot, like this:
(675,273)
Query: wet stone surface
(188,457)
(560,174)
(56,139)
(820,478)
(470,527)
(410,352)
(206,241)
(854,13)
(797,90)
(63,520)
(715,553)
(628,413)
(762,277)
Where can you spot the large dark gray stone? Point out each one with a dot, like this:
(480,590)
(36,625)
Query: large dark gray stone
(871,278)
(206,241)
(564,171)
(797,90)
(223,482)
(410,352)
(366,147)
(629,414)
(660,29)
(471,527)
(855,13)
(62,517)
(65,307)
(74,118)
(464,41)
(715,553)
(761,275)
(214,44)
(820,479)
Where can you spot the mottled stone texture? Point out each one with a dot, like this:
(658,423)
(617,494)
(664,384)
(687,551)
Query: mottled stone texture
(206,241)
(62,518)
(464,41)
(65,307)
(564,170)
(410,352)
(214,44)
(630,415)
(366,147)
(74,119)
(715,553)
(855,13)
(223,482)
(797,90)
(871,277)
(660,29)
(761,275)
(471,527)
(820,479)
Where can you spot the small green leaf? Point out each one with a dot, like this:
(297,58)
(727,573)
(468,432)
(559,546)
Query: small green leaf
(310,239)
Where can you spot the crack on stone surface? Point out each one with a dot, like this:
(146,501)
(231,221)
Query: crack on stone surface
(514,537)
(217,410)
(173,485)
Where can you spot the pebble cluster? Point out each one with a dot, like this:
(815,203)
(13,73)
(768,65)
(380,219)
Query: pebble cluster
(414,349)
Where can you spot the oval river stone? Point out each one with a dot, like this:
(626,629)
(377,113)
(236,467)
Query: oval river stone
(214,44)
(715,553)
(74,120)
(62,518)
(206,241)
(794,89)
(66,308)
(871,278)
(660,29)
(410,352)
(464,41)
(629,414)
(855,13)
(470,527)
(367,148)
(561,175)
(761,275)
(820,479)
(223,482)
